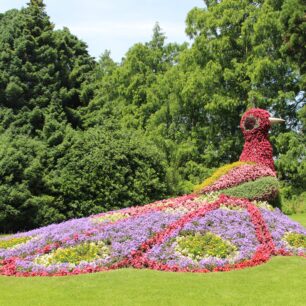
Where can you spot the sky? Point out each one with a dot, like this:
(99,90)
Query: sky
(116,25)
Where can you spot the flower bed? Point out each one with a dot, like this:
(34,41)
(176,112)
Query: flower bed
(218,174)
(187,233)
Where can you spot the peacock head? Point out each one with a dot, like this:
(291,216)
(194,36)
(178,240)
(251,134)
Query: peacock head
(257,122)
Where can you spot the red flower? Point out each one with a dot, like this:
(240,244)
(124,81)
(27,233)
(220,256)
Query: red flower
(255,125)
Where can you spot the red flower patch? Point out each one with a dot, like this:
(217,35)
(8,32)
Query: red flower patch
(255,125)
(138,259)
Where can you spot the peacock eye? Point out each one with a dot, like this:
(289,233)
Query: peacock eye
(250,123)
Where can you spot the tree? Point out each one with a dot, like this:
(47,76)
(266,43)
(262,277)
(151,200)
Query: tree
(235,62)
(42,75)
(127,95)
(22,198)
(294,35)
(80,137)
(42,70)
(123,91)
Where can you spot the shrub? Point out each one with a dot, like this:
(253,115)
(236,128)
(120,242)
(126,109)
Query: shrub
(99,171)
(295,205)
(21,172)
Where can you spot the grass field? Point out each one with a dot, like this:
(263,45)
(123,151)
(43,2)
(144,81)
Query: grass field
(301,218)
(282,281)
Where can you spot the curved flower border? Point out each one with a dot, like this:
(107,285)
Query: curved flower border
(138,259)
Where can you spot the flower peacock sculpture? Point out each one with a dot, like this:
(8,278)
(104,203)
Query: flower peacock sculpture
(256,165)
(227,223)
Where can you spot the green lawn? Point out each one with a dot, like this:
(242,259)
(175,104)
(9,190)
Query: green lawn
(301,218)
(282,281)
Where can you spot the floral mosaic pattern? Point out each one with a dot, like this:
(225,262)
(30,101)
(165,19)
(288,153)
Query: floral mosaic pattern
(244,234)
(238,175)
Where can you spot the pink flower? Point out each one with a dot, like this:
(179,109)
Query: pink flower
(238,175)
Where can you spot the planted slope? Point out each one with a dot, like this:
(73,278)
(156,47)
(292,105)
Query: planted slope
(188,233)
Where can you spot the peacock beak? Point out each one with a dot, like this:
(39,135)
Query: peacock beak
(276,120)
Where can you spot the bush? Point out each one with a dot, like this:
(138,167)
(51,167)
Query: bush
(294,205)
(21,179)
(100,170)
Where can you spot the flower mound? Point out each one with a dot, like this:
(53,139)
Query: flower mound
(188,233)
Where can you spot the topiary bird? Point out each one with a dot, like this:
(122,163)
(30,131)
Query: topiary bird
(188,233)
(253,176)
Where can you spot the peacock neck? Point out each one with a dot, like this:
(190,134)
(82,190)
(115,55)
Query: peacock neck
(258,150)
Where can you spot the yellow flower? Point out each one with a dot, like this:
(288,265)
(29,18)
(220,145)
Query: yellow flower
(217,174)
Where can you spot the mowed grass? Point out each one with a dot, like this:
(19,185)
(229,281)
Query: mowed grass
(301,218)
(282,281)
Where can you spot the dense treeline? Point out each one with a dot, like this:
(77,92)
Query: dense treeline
(79,136)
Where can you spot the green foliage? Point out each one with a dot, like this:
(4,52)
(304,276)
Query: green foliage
(127,95)
(9,243)
(41,81)
(296,240)
(50,170)
(75,254)
(295,205)
(99,170)
(266,188)
(21,175)
(42,71)
(294,28)
(198,245)
(189,100)
(291,163)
